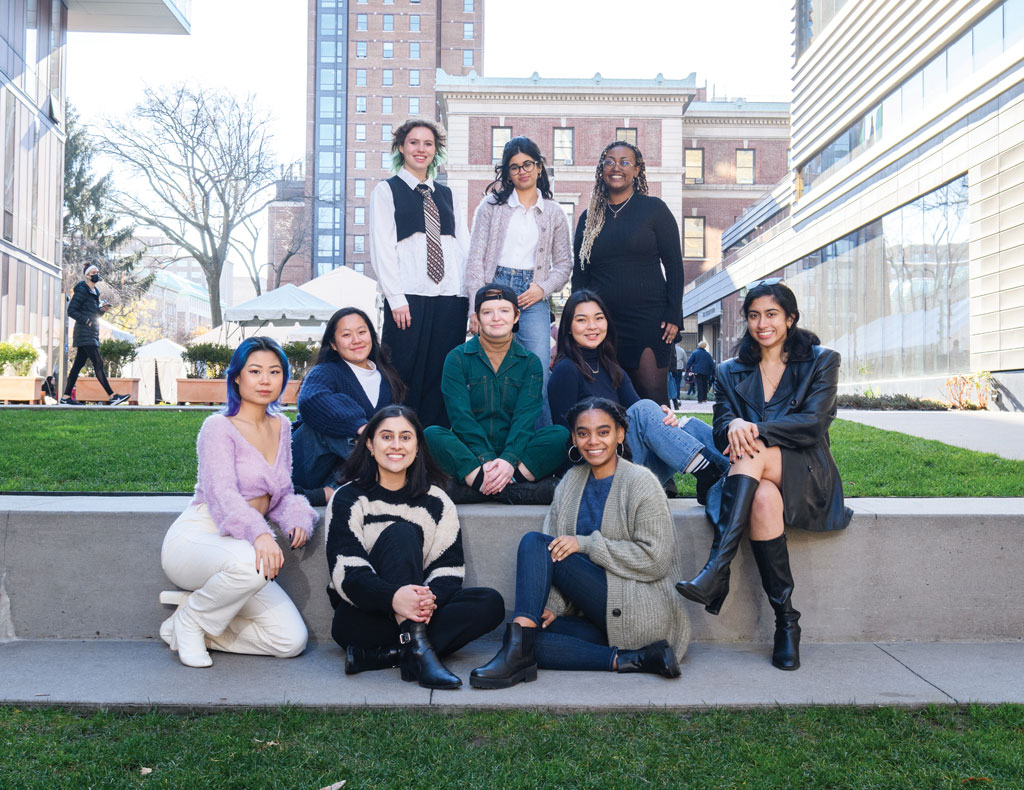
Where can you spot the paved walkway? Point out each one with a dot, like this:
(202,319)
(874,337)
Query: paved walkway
(115,674)
(996,432)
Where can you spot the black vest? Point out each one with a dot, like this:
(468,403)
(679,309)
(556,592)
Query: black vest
(409,208)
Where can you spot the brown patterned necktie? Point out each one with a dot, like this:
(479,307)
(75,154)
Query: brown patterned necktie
(432,225)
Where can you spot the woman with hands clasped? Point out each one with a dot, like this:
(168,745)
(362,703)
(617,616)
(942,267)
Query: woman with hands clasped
(394,550)
(593,591)
(222,548)
(775,401)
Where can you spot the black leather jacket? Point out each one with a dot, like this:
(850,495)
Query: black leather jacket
(84,307)
(811,489)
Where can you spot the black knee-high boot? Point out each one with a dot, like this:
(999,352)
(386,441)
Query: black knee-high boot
(711,585)
(772,558)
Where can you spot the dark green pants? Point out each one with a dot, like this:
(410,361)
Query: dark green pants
(544,455)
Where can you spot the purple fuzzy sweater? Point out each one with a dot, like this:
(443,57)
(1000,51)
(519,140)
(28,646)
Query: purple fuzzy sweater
(232,471)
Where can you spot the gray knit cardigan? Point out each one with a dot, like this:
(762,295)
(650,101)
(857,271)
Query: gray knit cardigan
(553,259)
(637,548)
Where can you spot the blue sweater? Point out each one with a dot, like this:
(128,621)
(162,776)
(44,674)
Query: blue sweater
(333,402)
(568,386)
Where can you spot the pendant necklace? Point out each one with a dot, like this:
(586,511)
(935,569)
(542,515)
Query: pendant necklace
(774,384)
(615,213)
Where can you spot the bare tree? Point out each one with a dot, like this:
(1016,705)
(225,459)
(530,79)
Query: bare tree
(247,245)
(295,230)
(206,158)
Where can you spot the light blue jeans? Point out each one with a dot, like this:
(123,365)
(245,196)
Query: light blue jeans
(666,450)
(534,328)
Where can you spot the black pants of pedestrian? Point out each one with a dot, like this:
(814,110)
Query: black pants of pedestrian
(418,353)
(397,557)
(702,388)
(85,354)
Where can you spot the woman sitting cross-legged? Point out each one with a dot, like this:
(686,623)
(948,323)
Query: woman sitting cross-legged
(593,591)
(586,365)
(352,378)
(394,550)
(222,547)
(775,402)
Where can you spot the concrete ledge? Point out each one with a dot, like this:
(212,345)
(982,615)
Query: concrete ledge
(915,570)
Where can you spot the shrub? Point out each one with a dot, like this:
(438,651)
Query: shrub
(116,354)
(19,356)
(301,354)
(207,360)
(890,403)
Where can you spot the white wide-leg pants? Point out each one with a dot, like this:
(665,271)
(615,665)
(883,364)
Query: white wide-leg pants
(240,611)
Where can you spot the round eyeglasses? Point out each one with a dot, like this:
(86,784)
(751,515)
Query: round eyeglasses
(624,163)
(526,167)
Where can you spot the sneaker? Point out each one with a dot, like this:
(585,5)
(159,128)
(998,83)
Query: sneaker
(116,399)
(67,400)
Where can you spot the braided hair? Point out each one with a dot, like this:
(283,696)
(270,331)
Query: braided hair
(599,197)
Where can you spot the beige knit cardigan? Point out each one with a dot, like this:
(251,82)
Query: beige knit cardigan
(637,548)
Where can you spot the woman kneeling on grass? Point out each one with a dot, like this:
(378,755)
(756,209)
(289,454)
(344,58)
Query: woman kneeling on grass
(221,546)
(776,400)
(596,580)
(394,549)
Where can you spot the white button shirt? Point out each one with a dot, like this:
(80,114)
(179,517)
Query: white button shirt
(519,250)
(401,266)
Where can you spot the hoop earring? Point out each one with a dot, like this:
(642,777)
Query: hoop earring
(569,453)
(620,450)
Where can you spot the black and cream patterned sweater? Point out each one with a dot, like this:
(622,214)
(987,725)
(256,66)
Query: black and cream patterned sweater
(357,517)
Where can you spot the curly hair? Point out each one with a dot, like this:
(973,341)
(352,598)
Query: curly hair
(502,187)
(398,139)
(599,197)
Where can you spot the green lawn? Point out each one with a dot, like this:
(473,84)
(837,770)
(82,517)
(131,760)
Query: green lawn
(128,450)
(780,748)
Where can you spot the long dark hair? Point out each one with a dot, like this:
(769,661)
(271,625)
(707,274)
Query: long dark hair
(799,341)
(379,355)
(609,407)
(361,467)
(568,348)
(502,187)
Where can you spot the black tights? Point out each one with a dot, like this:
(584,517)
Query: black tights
(82,355)
(650,381)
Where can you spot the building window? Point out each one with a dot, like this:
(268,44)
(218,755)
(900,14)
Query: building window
(389,22)
(388,49)
(626,135)
(414,23)
(414,50)
(359,244)
(389,2)
(360,104)
(360,160)
(385,132)
(359,187)
(361,78)
(563,146)
(467,6)
(414,78)
(326,107)
(385,160)
(360,49)
(467,31)
(387,77)
(467,58)
(387,105)
(361,132)
(329,24)
(327,134)
(499,136)
(414,105)
(328,51)
(745,166)
(693,166)
(693,237)
(359,215)
(361,22)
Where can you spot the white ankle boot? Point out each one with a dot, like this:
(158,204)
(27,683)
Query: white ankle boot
(182,633)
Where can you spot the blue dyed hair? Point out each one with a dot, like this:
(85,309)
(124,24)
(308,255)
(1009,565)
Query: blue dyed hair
(238,360)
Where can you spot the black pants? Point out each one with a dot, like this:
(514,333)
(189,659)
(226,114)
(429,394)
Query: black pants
(418,353)
(397,557)
(85,354)
(702,387)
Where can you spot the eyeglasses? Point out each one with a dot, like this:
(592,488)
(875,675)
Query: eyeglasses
(622,162)
(526,167)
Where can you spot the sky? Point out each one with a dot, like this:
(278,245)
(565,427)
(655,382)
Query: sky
(740,48)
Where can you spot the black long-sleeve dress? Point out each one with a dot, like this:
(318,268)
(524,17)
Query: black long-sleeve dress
(636,265)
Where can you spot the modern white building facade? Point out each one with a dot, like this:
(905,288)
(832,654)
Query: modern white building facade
(901,225)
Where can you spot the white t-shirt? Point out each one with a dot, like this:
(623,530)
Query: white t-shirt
(369,380)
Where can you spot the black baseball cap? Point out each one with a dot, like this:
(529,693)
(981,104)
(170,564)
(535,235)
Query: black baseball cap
(494,291)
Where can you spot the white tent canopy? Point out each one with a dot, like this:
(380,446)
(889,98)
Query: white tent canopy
(345,287)
(287,304)
(158,361)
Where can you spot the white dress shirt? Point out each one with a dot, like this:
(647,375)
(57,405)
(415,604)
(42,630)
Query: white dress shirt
(401,266)
(519,249)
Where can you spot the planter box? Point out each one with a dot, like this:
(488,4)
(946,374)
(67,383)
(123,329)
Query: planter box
(88,389)
(22,389)
(291,392)
(197,391)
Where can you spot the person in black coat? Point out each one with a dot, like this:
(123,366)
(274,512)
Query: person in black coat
(85,307)
(775,402)
(702,365)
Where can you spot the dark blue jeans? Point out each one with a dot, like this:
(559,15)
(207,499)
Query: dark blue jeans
(316,455)
(572,642)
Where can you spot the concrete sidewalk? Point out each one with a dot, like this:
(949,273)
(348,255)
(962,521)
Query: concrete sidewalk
(128,675)
(996,432)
